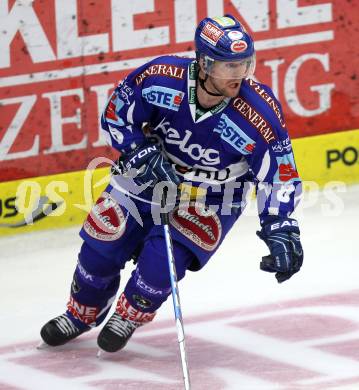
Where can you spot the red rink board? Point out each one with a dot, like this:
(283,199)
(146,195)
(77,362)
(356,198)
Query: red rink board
(53,84)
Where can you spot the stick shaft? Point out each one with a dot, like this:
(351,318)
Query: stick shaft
(177,306)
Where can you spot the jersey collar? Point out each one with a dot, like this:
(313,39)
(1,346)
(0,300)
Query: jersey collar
(192,96)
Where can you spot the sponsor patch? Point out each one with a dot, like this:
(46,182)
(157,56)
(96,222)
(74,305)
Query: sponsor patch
(161,70)
(126,310)
(234,135)
(268,99)
(196,152)
(106,221)
(224,21)
(255,119)
(125,91)
(88,277)
(287,171)
(201,175)
(235,35)
(280,225)
(178,99)
(143,285)
(282,146)
(199,224)
(142,302)
(75,288)
(211,33)
(86,314)
(192,95)
(193,70)
(113,111)
(238,46)
(163,97)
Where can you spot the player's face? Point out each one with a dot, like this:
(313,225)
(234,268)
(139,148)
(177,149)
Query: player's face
(226,76)
(230,70)
(227,88)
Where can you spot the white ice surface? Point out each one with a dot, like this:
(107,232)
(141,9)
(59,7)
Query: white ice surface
(36,271)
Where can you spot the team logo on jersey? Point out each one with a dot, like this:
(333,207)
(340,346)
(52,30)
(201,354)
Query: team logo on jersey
(161,70)
(199,224)
(211,33)
(106,221)
(234,135)
(163,97)
(287,171)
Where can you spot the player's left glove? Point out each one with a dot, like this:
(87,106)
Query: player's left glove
(286,253)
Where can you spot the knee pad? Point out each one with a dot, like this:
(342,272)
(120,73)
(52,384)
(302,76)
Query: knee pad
(82,278)
(153,261)
(95,263)
(150,284)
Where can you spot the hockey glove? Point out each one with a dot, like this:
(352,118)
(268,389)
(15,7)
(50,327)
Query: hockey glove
(146,165)
(286,253)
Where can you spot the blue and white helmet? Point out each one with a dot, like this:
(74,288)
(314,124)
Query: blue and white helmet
(224,48)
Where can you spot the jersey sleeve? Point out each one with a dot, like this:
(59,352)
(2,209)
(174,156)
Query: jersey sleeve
(125,113)
(278,185)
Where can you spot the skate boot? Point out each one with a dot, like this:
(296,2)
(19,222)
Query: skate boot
(121,326)
(62,329)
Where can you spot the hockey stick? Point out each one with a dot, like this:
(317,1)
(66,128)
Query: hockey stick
(175,292)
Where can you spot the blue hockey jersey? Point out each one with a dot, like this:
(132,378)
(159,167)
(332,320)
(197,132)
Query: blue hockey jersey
(242,140)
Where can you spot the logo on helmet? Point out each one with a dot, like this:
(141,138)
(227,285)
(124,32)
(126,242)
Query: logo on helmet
(211,33)
(224,21)
(235,35)
(238,46)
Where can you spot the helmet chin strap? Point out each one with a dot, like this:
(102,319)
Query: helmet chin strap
(201,83)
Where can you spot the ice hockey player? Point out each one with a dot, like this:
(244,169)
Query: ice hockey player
(211,125)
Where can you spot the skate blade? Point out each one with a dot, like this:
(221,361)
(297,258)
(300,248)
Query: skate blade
(100,353)
(42,345)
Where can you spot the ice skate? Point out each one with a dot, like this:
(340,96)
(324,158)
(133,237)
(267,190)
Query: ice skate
(121,326)
(116,333)
(60,330)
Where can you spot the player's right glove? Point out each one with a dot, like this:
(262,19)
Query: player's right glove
(146,165)
(286,253)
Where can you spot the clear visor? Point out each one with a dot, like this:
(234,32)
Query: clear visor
(229,69)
